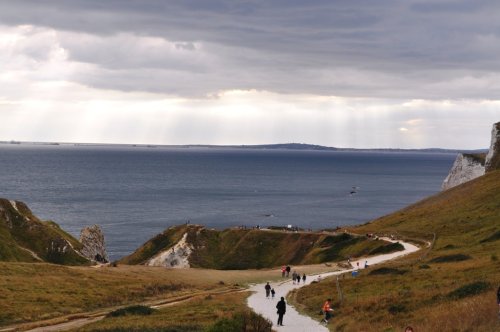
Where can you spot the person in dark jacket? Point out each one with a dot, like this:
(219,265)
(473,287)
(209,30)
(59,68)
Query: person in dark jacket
(281,306)
(268,290)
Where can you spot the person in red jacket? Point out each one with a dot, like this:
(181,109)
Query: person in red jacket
(327,310)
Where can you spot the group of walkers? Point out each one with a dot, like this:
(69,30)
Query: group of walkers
(285,273)
(280,306)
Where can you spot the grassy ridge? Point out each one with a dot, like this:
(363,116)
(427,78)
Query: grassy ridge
(21,230)
(451,287)
(237,249)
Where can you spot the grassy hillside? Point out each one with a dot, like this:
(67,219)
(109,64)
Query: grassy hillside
(25,238)
(236,249)
(449,287)
(33,292)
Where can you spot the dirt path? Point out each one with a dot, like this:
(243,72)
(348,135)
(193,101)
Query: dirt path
(293,321)
(76,321)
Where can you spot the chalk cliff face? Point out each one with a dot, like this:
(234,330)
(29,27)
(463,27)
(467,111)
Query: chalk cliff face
(465,168)
(493,156)
(175,257)
(92,239)
(470,166)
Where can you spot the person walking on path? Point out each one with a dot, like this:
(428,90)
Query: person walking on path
(304,278)
(288,269)
(294,277)
(268,290)
(272,292)
(298,278)
(327,310)
(283,270)
(281,306)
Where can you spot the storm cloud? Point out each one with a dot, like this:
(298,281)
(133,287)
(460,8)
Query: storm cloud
(399,49)
(382,55)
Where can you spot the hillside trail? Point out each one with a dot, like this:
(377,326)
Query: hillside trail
(295,322)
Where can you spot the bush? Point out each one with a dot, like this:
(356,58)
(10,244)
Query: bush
(392,247)
(132,310)
(450,258)
(397,308)
(424,266)
(387,270)
(494,237)
(471,289)
(242,321)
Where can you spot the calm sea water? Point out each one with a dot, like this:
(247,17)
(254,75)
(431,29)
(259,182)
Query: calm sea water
(135,193)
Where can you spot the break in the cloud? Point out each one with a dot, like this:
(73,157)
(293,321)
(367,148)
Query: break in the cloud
(416,73)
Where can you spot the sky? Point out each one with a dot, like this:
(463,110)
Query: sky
(343,73)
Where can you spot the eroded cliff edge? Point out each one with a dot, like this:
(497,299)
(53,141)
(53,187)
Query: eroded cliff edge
(470,166)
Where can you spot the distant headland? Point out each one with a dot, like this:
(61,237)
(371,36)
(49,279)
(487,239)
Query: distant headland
(278,146)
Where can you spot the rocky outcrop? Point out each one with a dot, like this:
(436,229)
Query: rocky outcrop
(94,248)
(470,166)
(493,156)
(175,257)
(465,168)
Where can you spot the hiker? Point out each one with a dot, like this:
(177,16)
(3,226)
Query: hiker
(281,306)
(294,277)
(288,269)
(268,289)
(272,292)
(366,264)
(357,263)
(327,310)
(283,270)
(304,278)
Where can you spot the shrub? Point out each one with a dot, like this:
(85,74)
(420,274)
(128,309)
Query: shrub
(424,266)
(387,270)
(397,308)
(471,289)
(493,237)
(132,310)
(242,321)
(450,258)
(392,247)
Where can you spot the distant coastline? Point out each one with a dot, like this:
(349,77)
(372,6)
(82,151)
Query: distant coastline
(279,146)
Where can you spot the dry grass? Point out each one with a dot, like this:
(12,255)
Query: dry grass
(194,315)
(32,292)
(450,287)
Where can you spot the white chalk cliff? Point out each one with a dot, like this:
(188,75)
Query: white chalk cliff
(493,156)
(174,257)
(464,169)
(470,166)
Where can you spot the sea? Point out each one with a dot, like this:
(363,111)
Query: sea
(134,193)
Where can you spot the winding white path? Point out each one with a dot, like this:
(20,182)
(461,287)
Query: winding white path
(293,321)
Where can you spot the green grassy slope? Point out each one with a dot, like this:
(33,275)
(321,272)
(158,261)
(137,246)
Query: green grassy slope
(21,232)
(235,249)
(450,287)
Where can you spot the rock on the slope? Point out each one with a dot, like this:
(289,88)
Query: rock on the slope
(174,257)
(465,168)
(493,156)
(92,239)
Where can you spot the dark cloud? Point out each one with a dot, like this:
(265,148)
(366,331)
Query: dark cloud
(415,48)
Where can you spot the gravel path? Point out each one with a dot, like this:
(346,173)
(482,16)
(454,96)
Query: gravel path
(293,321)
